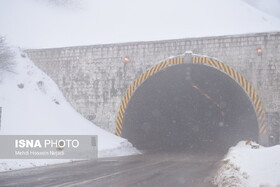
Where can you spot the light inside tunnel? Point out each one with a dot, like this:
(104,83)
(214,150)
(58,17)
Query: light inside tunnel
(189,107)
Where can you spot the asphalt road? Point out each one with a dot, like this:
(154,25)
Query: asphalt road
(154,169)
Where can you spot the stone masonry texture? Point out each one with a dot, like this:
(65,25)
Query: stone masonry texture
(95,78)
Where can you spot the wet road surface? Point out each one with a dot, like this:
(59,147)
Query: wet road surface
(153,169)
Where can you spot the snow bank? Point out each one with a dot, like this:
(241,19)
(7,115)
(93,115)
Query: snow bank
(40,24)
(33,105)
(244,166)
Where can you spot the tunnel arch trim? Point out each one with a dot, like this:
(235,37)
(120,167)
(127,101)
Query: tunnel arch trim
(196,59)
(242,81)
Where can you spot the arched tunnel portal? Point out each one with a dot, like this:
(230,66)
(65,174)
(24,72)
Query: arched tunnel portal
(192,106)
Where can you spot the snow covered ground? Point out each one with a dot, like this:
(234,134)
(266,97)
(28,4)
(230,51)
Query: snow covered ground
(33,105)
(44,24)
(271,7)
(247,167)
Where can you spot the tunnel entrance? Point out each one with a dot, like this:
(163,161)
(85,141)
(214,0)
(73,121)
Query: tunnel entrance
(189,107)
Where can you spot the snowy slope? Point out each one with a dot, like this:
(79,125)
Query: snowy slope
(271,7)
(244,166)
(32,104)
(39,24)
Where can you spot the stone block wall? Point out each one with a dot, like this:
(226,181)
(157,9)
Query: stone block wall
(94,78)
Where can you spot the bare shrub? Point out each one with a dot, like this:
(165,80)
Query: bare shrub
(6,57)
(63,3)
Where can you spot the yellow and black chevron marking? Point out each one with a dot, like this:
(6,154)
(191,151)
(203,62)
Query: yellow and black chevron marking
(137,83)
(255,98)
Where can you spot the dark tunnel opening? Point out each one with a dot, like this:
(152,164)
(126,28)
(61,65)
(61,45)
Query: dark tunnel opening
(189,107)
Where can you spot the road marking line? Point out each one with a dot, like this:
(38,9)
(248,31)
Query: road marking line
(103,177)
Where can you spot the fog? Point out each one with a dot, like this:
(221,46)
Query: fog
(62,23)
(189,108)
